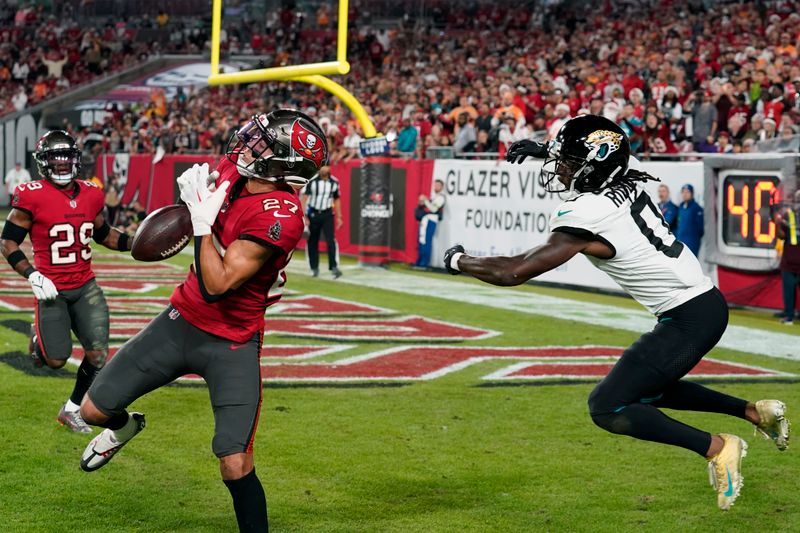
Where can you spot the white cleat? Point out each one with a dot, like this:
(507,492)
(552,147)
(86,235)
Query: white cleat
(725,470)
(773,425)
(104,446)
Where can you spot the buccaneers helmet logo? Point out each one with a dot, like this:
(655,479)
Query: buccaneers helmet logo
(307,144)
(604,141)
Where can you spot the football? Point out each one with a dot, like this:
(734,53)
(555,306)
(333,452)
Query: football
(164,233)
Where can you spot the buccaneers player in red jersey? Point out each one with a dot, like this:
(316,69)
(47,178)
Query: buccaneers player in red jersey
(247,219)
(62,214)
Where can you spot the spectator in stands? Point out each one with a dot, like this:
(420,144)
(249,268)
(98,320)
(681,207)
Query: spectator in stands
(463,107)
(656,136)
(351,142)
(112,198)
(787,223)
(429,213)
(407,139)
(482,144)
(668,209)
(736,128)
(632,126)
(690,225)
(770,129)
(507,107)
(16,176)
(454,66)
(724,145)
(704,121)
(483,122)
(672,111)
(20,99)
(511,131)
(561,117)
(465,133)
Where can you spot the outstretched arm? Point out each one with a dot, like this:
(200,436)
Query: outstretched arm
(510,271)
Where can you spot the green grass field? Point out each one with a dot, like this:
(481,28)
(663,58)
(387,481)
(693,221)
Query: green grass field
(446,455)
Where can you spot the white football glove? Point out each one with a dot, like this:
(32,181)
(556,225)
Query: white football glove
(203,202)
(43,288)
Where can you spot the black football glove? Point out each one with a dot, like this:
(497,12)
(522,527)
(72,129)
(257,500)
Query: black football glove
(518,151)
(448,257)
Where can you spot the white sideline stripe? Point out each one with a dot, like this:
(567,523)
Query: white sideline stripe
(505,372)
(739,338)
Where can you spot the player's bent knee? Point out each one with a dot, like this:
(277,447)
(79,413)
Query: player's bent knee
(97,358)
(599,401)
(235,466)
(55,364)
(612,422)
(90,413)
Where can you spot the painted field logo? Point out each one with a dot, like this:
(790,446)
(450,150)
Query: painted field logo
(288,363)
(420,348)
(417,363)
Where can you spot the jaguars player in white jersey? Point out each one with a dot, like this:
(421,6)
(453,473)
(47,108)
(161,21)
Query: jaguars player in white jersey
(609,218)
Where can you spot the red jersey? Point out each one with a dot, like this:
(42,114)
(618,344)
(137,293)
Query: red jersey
(63,224)
(274,220)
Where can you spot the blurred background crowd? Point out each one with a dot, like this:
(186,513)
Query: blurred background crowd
(449,78)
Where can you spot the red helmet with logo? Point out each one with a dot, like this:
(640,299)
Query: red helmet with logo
(283,145)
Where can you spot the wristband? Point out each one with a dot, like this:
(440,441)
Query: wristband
(15,257)
(122,243)
(100,234)
(28,271)
(454,260)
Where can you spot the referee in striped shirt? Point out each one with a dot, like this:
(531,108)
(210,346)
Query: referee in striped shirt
(321,202)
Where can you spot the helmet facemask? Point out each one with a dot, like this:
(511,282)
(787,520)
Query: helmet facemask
(61,165)
(558,168)
(261,154)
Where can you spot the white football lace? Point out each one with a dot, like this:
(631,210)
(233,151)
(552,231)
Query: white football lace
(176,248)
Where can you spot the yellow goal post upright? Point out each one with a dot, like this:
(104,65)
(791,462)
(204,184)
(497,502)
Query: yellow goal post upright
(374,211)
(312,73)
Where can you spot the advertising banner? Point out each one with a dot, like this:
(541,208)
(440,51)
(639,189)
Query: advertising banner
(375,211)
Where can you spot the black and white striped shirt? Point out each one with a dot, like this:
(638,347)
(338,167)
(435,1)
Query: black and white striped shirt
(321,192)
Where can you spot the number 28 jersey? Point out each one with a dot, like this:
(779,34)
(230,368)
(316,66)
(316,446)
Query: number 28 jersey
(649,263)
(273,220)
(62,228)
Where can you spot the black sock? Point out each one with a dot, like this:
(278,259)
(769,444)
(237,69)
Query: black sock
(116,422)
(249,502)
(689,396)
(86,374)
(645,422)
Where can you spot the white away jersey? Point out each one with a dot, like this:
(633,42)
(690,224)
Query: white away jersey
(649,263)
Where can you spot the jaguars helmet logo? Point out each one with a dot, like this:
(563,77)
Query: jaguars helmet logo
(603,142)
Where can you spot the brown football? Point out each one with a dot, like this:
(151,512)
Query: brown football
(164,233)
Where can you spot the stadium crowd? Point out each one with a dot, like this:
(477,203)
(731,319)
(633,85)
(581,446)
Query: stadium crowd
(678,76)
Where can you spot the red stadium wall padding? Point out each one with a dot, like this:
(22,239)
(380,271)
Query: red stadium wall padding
(410,178)
(749,288)
(139,171)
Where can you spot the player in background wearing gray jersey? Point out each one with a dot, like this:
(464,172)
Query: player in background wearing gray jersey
(609,218)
